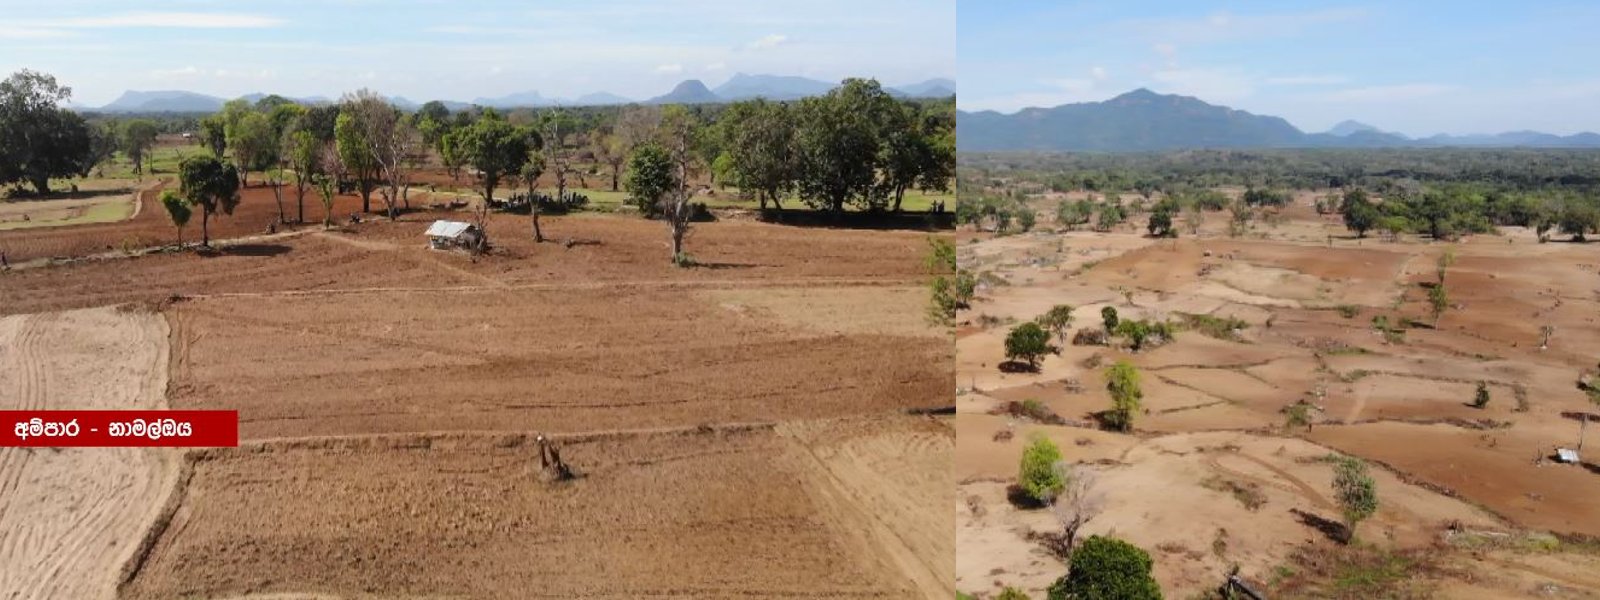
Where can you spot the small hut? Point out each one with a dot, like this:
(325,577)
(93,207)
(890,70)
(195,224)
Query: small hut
(444,235)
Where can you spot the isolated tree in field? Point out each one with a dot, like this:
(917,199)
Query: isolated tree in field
(1108,318)
(39,140)
(1360,214)
(679,128)
(650,176)
(1297,415)
(1027,342)
(1355,491)
(1160,224)
(1110,216)
(495,148)
(1038,475)
(178,210)
(1438,301)
(966,287)
(1058,320)
(759,137)
(1442,264)
(1122,380)
(1077,502)
(210,184)
(1107,569)
(137,135)
(1480,398)
(1026,219)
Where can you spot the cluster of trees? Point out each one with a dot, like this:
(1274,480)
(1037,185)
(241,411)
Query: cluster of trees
(1448,211)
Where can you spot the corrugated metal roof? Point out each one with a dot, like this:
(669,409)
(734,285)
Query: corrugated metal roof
(448,229)
(1567,456)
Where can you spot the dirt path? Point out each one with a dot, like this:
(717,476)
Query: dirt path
(69,515)
(401,251)
(1286,481)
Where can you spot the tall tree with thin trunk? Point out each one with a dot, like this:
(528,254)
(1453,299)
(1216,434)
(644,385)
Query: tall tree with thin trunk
(496,149)
(679,128)
(302,151)
(178,210)
(137,137)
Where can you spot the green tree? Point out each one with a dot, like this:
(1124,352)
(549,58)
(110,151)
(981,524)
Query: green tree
(1122,380)
(1037,474)
(760,141)
(1360,214)
(1355,491)
(495,148)
(210,184)
(1108,317)
(1027,342)
(137,135)
(839,143)
(1058,320)
(1297,415)
(214,134)
(39,140)
(1438,301)
(303,154)
(1106,568)
(178,210)
(1160,224)
(1011,593)
(649,177)
(356,156)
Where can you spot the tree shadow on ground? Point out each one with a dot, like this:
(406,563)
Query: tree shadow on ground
(1017,366)
(920,221)
(247,250)
(1021,499)
(1334,530)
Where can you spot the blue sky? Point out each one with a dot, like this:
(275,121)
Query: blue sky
(1418,68)
(427,49)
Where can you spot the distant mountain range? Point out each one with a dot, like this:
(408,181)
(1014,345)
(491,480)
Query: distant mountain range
(739,87)
(1142,120)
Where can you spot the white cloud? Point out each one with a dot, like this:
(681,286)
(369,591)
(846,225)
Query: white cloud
(1098,73)
(716,66)
(1209,84)
(186,20)
(188,71)
(670,69)
(1223,27)
(769,41)
(1308,80)
(32,33)
(1389,93)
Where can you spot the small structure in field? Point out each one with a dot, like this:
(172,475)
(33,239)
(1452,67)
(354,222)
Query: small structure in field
(1567,456)
(444,235)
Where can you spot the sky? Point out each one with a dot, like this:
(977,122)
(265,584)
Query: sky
(1417,68)
(439,49)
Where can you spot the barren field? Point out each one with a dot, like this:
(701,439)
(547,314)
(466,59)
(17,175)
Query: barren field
(71,518)
(733,437)
(104,207)
(712,513)
(1307,295)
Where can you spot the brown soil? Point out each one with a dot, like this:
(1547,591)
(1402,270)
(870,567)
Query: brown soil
(682,514)
(1401,405)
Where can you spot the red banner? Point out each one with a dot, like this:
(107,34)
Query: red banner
(119,428)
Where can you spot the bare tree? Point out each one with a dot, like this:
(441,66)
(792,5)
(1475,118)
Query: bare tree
(675,204)
(636,125)
(331,173)
(1077,503)
(390,139)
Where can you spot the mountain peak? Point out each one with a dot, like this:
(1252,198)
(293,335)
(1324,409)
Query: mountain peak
(1348,127)
(1138,94)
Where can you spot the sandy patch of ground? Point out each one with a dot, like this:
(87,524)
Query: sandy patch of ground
(71,518)
(836,310)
